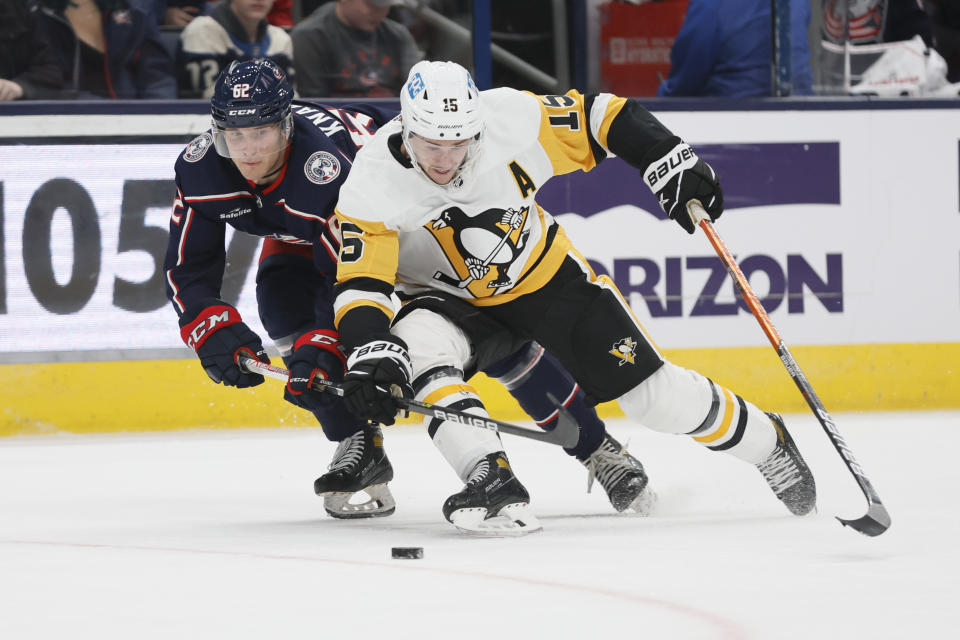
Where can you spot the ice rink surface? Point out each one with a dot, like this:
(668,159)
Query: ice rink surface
(219,535)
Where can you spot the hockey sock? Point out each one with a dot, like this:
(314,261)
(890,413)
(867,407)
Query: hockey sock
(678,400)
(529,375)
(462,446)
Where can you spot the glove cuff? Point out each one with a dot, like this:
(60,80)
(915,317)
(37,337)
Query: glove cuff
(677,160)
(206,323)
(324,339)
(393,348)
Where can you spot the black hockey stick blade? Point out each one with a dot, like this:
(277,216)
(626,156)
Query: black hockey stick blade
(565,434)
(875,522)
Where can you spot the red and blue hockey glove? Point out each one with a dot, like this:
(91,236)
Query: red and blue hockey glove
(676,176)
(377,373)
(218,335)
(316,354)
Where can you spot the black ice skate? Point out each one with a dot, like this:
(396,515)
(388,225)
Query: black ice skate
(787,474)
(621,476)
(493,502)
(360,466)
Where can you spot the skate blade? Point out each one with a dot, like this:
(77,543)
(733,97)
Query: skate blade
(513,520)
(379,503)
(643,504)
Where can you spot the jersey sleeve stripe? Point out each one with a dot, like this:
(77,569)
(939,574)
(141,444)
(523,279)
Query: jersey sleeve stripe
(605,108)
(220,196)
(370,286)
(354,300)
(300,214)
(176,292)
(331,250)
(183,235)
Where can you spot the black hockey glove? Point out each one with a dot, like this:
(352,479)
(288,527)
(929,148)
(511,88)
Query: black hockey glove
(218,334)
(377,373)
(680,176)
(316,354)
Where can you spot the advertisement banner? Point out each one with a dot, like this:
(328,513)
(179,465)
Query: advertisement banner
(848,232)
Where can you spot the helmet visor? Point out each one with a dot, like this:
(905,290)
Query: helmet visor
(252,142)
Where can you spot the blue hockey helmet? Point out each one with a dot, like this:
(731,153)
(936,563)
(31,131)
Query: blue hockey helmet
(251,93)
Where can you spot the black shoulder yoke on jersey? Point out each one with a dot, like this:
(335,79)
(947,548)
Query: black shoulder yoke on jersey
(297,207)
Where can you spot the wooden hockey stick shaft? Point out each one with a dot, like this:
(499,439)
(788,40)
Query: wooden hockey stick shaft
(877,519)
(566,433)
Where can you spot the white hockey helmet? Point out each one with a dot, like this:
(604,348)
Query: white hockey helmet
(441,102)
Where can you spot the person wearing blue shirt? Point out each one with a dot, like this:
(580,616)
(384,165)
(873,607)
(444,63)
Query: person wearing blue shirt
(724,49)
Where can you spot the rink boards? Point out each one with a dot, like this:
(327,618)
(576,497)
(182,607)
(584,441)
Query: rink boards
(847,232)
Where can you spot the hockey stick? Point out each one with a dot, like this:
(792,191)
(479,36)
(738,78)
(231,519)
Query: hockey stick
(876,520)
(566,433)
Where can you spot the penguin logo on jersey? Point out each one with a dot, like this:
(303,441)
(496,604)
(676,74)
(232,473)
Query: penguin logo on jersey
(481,248)
(625,350)
(198,147)
(321,168)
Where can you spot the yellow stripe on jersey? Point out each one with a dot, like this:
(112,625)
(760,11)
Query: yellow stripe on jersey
(614,105)
(565,130)
(724,424)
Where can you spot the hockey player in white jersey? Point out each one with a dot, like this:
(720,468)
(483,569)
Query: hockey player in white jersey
(440,209)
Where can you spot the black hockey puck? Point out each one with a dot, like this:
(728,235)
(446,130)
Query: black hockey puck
(411,553)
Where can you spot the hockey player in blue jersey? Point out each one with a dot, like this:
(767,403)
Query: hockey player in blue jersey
(272,167)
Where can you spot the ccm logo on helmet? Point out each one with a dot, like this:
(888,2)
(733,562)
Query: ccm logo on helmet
(241,112)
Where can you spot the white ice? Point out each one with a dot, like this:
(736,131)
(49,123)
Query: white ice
(219,535)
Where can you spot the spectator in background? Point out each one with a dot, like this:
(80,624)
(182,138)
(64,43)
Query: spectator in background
(28,65)
(179,13)
(351,48)
(173,13)
(724,49)
(235,30)
(108,49)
